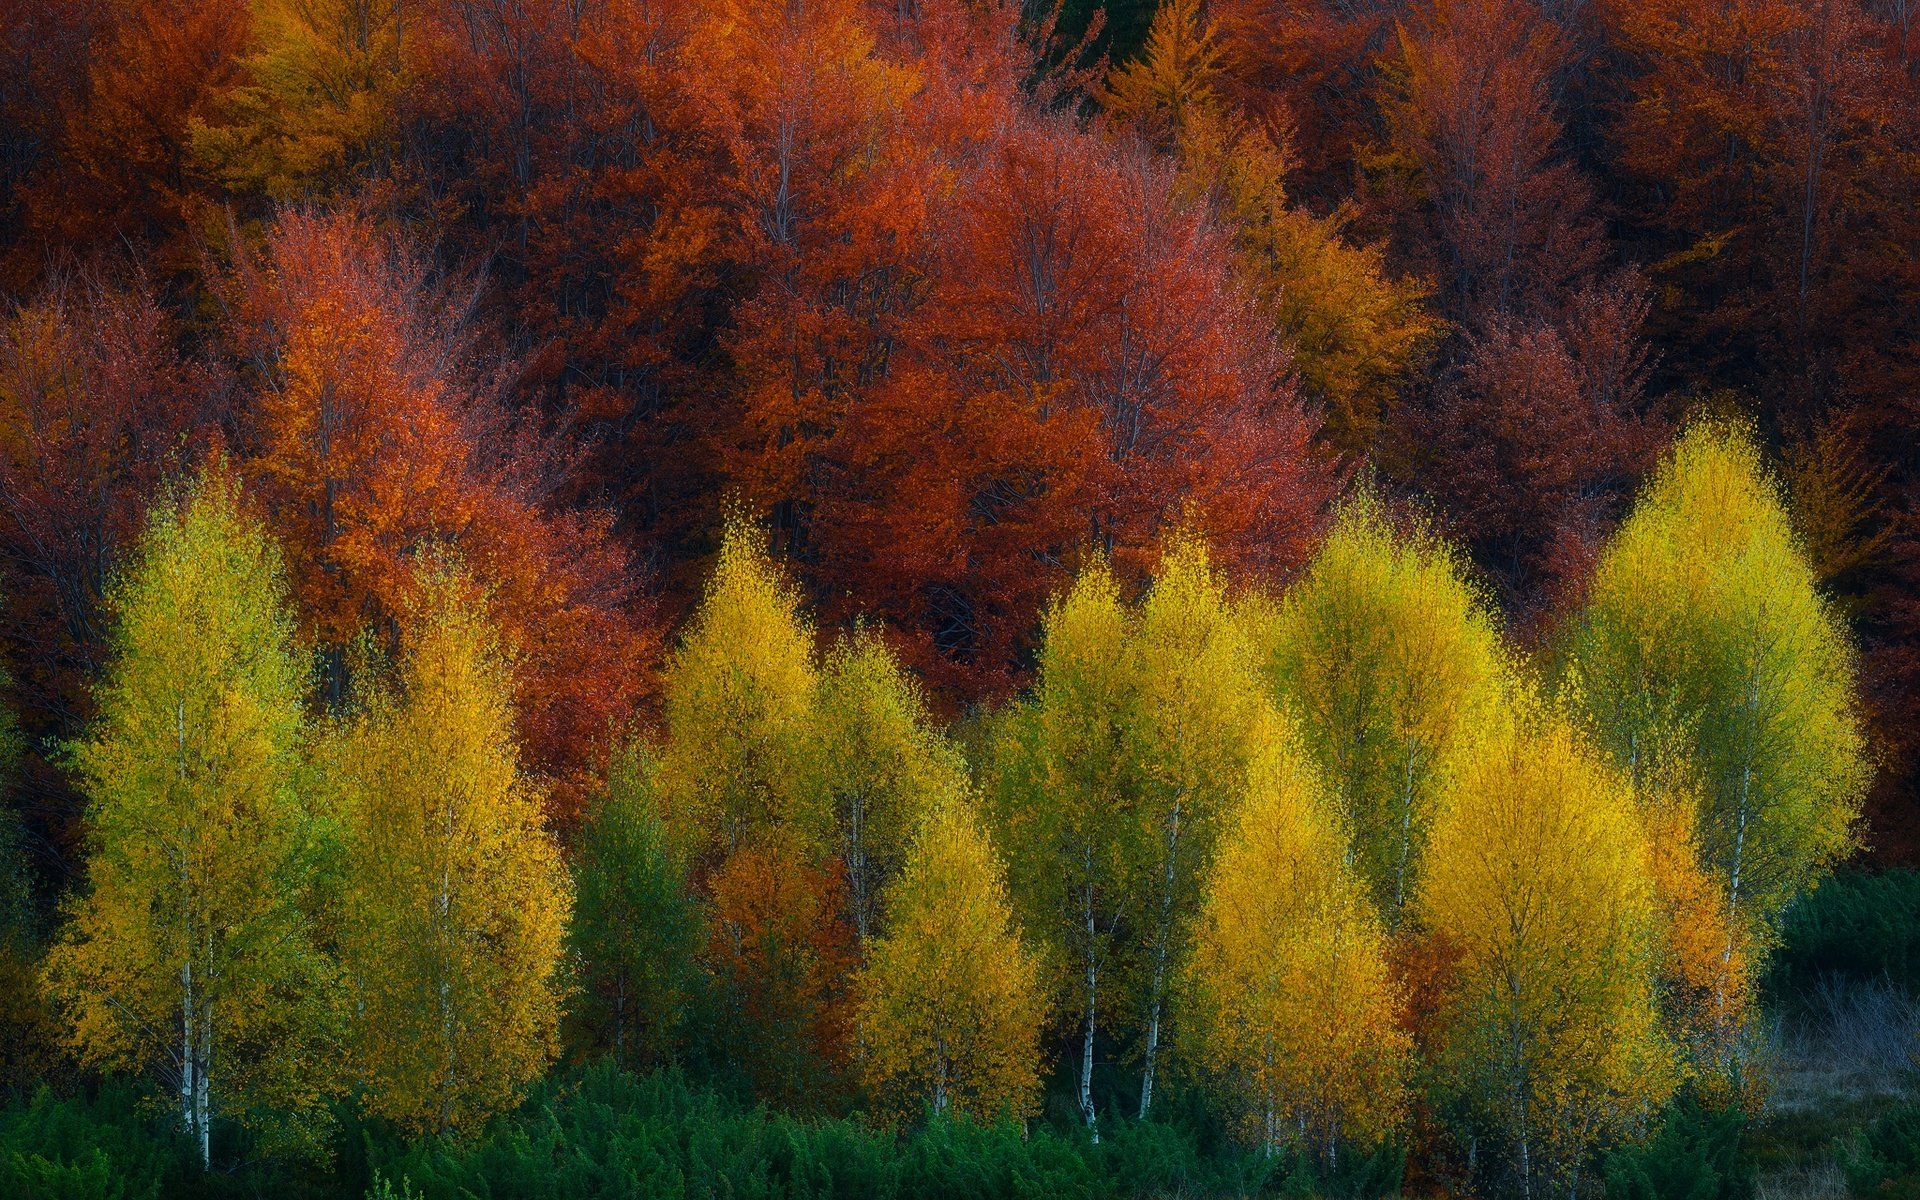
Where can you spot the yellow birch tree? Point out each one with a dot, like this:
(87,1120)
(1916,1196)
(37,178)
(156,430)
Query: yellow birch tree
(1538,880)
(455,900)
(1387,655)
(950,1000)
(1294,1007)
(188,947)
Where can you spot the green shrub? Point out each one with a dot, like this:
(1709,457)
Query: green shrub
(1695,1155)
(1882,1161)
(103,1149)
(1858,924)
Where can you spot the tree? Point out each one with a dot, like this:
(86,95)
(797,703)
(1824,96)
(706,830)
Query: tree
(1065,801)
(739,706)
(1532,444)
(123,168)
(1354,333)
(1473,159)
(1706,652)
(637,929)
(190,945)
(950,999)
(1195,720)
(321,86)
(1094,375)
(377,438)
(1388,655)
(455,902)
(1295,1010)
(96,407)
(1537,879)
(881,763)
(781,955)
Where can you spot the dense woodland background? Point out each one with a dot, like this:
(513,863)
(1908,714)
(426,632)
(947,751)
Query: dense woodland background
(799,476)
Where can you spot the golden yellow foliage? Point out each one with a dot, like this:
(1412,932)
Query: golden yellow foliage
(189,948)
(455,901)
(1387,655)
(1292,1001)
(1538,879)
(1356,333)
(323,79)
(740,695)
(1707,655)
(950,1000)
(880,763)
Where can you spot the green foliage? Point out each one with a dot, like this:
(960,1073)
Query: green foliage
(1882,1161)
(636,925)
(1860,924)
(1696,1155)
(53,1149)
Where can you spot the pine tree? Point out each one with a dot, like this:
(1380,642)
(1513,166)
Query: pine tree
(636,928)
(1294,1008)
(951,1005)
(190,944)
(1387,654)
(455,899)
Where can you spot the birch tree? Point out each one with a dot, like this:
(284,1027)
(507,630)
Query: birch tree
(455,900)
(1538,881)
(1198,707)
(188,948)
(739,702)
(880,763)
(950,1000)
(1065,803)
(1294,1008)
(1387,654)
(1707,654)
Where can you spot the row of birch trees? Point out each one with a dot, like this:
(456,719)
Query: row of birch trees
(1339,855)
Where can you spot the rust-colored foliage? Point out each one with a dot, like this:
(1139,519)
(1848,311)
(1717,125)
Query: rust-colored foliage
(1473,165)
(782,956)
(1534,444)
(377,436)
(96,408)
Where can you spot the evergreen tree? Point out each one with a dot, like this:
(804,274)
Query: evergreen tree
(636,927)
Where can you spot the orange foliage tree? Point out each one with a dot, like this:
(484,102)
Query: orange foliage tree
(376,437)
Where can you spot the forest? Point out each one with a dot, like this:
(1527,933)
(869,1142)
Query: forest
(960,598)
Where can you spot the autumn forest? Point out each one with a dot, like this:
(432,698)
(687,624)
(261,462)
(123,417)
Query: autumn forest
(958,598)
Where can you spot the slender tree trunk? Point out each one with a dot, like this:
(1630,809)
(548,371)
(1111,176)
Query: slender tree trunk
(187,1080)
(1087,1112)
(1164,936)
(202,1087)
